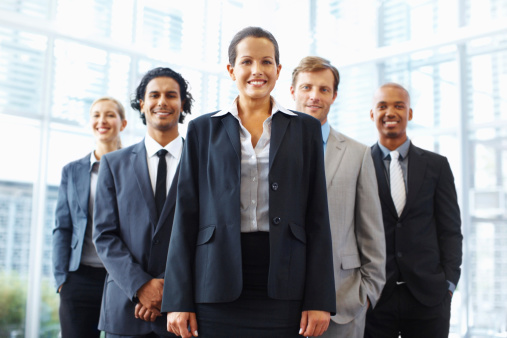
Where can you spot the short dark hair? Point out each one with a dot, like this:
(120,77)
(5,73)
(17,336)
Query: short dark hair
(314,64)
(185,95)
(256,32)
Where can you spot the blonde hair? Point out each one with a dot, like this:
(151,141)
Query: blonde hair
(121,110)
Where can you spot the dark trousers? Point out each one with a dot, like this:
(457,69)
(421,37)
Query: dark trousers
(149,335)
(80,300)
(401,314)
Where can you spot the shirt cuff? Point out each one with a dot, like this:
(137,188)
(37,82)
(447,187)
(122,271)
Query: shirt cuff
(452,287)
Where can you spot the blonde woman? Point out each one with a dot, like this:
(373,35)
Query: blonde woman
(78,271)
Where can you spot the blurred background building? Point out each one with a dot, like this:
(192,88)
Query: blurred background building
(58,56)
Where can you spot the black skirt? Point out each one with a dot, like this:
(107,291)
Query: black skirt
(253,314)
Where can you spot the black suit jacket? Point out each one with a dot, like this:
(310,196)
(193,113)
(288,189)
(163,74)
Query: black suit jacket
(130,240)
(204,260)
(424,244)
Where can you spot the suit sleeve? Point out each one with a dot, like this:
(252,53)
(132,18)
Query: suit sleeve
(62,232)
(448,220)
(178,295)
(369,230)
(319,285)
(118,261)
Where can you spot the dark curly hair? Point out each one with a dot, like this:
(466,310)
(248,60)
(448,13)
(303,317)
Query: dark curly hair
(185,95)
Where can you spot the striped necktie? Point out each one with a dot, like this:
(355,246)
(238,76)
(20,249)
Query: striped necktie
(398,192)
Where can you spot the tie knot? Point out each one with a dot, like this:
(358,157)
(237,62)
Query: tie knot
(162,153)
(394,155)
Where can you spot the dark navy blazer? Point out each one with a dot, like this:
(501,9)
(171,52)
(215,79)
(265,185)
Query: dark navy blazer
(204,260)
(130,241)
(71,218)
(424,244)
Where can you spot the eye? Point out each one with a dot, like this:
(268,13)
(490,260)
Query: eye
(246,62)
(267,62)
(305,87)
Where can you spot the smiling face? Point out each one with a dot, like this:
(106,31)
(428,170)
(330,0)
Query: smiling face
(391,112)
(161,105)
(255,70)
(106,121)
(313,93)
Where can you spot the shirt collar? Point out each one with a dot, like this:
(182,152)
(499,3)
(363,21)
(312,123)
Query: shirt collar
(93,160)
(174,147)
(233,109)
(326,129)
(403,149)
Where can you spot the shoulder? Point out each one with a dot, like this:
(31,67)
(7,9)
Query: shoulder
(120,154)
(429,155)
(348,140)
(76,163)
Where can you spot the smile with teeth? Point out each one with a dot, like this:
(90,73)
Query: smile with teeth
(257,82)
(102,129)
(390,123)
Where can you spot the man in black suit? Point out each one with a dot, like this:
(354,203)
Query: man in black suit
(422,227)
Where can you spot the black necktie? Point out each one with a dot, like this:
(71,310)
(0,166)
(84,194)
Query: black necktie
(160,188)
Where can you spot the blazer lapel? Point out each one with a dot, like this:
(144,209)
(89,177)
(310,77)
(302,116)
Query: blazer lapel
(170,201)
(279,124)
(384,189)
(82,183)
(416,168)
(231,125)
(140,166)
(335,149)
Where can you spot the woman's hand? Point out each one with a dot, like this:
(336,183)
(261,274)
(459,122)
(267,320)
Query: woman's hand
(314,323)
(178,322)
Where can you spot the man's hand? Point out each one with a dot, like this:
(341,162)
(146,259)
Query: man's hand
(178,322)
(150,295)
(314,323)
(143,313)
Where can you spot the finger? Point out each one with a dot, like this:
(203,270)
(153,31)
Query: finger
(193,325)
(303,322)
(310,328)
(153,317)
(136,310)
(182,327)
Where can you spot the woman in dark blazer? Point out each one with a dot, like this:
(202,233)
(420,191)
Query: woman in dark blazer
(250,252)
(78,271)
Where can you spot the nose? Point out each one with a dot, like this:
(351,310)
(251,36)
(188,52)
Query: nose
(162,102)
(257,68)
(314,94)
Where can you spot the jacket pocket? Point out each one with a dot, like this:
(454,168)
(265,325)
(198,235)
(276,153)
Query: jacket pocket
(298,232)
(205,234)
(351,262)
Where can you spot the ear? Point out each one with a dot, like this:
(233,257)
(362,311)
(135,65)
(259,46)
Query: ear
(293,93)
(278,69)
(410,114)
(335,95)
(230,69)
(141,104)
(123,125)
(371,114)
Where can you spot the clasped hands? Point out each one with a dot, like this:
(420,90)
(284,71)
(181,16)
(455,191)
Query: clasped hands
(313,323)
(150,300)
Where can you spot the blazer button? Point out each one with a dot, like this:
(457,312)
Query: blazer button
(399,254)
(398,225)
(274,186)
(277,220)
(156,241)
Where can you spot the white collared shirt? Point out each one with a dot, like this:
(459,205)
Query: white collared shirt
(172,158)
(254,190)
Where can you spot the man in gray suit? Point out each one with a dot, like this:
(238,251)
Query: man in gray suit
(354,207)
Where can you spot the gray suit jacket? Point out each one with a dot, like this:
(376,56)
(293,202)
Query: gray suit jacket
(357,230)
(130,240)
(71,218)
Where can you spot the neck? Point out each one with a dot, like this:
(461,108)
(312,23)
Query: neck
(105,147)
(248,106)
(164,137)
(392,143)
